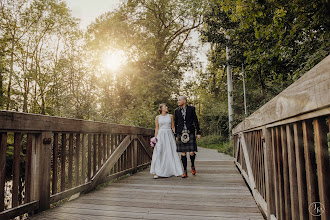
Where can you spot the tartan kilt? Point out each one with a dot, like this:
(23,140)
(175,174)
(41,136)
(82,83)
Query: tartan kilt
(186,147)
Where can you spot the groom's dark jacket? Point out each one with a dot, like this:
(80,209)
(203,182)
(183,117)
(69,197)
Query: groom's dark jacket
(191,120)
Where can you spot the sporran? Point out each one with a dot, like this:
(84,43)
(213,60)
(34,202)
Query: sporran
(185,136)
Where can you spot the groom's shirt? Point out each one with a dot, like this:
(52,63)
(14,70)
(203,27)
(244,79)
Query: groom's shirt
(184,113)
(186,117)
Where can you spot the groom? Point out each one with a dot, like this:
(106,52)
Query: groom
(186,123)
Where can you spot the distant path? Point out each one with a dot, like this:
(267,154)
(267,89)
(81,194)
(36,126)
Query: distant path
(216,192)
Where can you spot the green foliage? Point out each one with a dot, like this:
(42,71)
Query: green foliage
(49,66)
(154,36)
(276,41)
(222,144)
(211,139)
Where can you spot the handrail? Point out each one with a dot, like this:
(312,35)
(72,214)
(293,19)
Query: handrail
(282,149)
(308,97)
(55,158)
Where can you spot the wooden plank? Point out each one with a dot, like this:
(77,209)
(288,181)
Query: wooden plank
(309,93)
(310,165)
(99,147)
(264,166)
(258,162)
(322,161)
(55,164)
(269,173)
(28,168)
(305,116)
(287,199)
(129,157)
(124,172)
(3,149)
(63,159)
(125,160)
(20,210)
(112,143)
(115,168)
(292,173)
(83,158)
(18,121)
(69,192)
(70,168)
(121,160)
(258,198)
(236,147)
(16,173)
(247,162)
(279,174)
(108,145)
(105,169)
(118,161)
(301,174)
(89,158)
(77,159)
(104,147)
(112,149)
(94,153)
(259,165)
(135,155)
(145,145)
(251,153)
(205,180)
(43,163)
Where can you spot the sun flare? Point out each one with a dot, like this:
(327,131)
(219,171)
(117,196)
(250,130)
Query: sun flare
(112,60)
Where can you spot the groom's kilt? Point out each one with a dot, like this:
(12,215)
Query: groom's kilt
(186,147)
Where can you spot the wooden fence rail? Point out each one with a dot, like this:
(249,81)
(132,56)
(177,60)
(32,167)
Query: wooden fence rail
(282,150)
(45,159)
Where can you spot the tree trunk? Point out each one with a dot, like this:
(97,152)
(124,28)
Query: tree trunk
(1,89)
(11,70)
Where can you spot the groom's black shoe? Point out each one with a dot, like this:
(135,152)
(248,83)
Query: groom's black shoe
(184,175)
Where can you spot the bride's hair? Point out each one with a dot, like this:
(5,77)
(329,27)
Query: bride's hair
(160,107)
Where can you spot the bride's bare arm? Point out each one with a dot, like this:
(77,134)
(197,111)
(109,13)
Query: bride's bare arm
(157,126)
(173,127)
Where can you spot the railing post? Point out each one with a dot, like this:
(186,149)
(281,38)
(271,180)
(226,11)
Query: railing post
(269,175)
(135,154)
(40,180)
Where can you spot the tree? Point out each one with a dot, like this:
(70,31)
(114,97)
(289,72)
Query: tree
(154,36)
(277,41)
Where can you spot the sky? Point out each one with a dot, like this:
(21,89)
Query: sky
(88,10)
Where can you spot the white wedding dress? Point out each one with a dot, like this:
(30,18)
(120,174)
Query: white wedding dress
(165,160)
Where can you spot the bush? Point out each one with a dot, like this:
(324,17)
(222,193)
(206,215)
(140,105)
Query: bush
(222,144)
(211,139)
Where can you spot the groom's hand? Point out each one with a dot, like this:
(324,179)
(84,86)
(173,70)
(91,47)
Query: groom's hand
(199,136)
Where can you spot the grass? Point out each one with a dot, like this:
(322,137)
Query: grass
(222,144)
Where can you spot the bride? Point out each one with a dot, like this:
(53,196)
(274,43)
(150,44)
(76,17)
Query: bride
(165,160)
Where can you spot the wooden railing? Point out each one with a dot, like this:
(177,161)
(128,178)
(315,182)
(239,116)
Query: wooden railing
(282,150)
(49,158)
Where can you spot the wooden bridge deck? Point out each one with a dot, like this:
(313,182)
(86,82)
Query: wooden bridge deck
(216,192)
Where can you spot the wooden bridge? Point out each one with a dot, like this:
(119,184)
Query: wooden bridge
(281,152)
